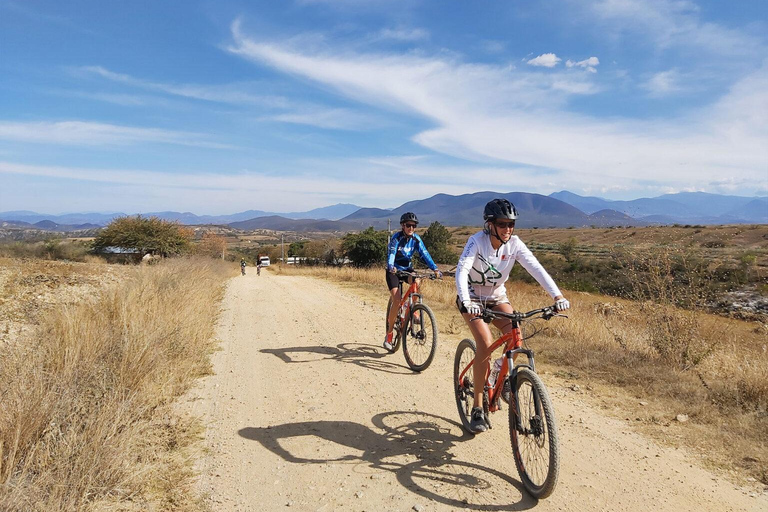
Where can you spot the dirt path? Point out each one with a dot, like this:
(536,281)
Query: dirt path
(306,411)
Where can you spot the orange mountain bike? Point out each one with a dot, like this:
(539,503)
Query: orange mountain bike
(532,425)
(415,324)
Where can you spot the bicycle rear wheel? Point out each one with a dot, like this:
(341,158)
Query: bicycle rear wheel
(396,330)
(536,447)
(464,389)
(419,349)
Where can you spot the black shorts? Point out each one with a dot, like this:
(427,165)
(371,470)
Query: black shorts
(393,281)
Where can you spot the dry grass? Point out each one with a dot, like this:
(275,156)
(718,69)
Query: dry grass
(644,351)
(86,422)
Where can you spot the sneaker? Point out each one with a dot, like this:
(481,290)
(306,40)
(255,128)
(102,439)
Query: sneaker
(506,390)
(388,342)
(477,424)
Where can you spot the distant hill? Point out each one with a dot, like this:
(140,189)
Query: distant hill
(559,209)
(682,208)
(467,210)
(278,223)
(190,219)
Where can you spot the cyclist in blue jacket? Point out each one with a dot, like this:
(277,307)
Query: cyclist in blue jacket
(402,247)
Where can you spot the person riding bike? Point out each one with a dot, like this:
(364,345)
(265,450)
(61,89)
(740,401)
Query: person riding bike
(402,247)
(481,273)
(242,265)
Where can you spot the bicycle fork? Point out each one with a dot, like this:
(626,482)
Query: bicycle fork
(535,421)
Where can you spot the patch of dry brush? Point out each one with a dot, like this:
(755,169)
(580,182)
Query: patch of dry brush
(86,421)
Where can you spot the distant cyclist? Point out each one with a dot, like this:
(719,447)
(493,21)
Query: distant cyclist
(402,247)
(242,265)
(483,268)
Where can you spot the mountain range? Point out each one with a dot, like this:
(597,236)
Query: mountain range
(560,209)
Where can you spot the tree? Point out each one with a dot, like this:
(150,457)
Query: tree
(366,248)
(145,235)
(296,248)
(438,239)
(212,245)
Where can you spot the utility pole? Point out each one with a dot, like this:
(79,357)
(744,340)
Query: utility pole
(282,248)
(389,226)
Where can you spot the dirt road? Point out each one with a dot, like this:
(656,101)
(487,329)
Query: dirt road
(306,411)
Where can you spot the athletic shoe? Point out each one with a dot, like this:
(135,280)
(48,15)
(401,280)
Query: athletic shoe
(388,342)
(477,424)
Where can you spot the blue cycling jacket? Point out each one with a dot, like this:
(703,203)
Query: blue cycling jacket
(402,249)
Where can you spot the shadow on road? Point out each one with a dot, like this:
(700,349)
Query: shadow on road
(366,356)
(436,474)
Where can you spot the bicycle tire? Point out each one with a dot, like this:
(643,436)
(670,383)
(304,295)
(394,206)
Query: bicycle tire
(419,349)
(395,330)
(537,455)
(465,397)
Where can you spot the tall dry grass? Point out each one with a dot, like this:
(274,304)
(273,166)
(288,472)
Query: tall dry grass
(711,368)
(86,421)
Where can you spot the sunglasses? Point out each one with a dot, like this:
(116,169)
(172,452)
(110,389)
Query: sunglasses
(505,225)
(409,225)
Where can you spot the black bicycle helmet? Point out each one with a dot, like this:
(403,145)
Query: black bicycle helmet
(499,209)
(408,217)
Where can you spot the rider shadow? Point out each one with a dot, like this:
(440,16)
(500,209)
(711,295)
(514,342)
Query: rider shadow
(436,474)
(365,356)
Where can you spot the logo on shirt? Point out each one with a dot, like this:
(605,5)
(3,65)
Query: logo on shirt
(489,274)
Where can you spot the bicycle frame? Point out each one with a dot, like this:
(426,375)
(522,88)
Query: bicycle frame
(414,291)
(513,345)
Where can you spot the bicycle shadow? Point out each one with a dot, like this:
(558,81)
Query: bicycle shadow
(365,356)
(436,474)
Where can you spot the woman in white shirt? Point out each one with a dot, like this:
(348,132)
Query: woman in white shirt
(483,268)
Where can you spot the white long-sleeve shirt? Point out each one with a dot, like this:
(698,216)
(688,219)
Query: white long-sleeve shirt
(483,270)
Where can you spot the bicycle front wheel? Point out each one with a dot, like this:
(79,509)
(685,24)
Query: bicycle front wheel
(395,331)
(534,440)
(464,387)
(419,349)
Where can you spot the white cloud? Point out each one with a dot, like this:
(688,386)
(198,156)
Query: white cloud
(547,60)
(82,133)
(486,114)
(589,64)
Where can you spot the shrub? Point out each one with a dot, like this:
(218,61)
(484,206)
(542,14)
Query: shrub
(145,235)
(366,248)
(437,239)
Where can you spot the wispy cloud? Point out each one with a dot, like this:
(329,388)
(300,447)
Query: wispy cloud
(402,34)
(673,23)
(486,113)
(236,94)
(546,60)
(362,181)
(82,133)
(334,118)
(663,83)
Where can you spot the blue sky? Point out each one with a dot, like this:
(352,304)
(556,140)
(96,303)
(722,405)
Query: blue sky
(221,106)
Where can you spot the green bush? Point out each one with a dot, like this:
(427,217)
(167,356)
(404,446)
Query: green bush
(145,235)
(366,248)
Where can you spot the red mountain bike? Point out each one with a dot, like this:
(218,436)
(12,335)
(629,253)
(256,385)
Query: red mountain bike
(415,324)
(532,425)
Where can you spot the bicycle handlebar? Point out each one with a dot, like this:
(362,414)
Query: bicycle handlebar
(403,273)
(488,315)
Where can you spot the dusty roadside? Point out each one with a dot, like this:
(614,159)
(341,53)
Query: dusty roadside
(306,411)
